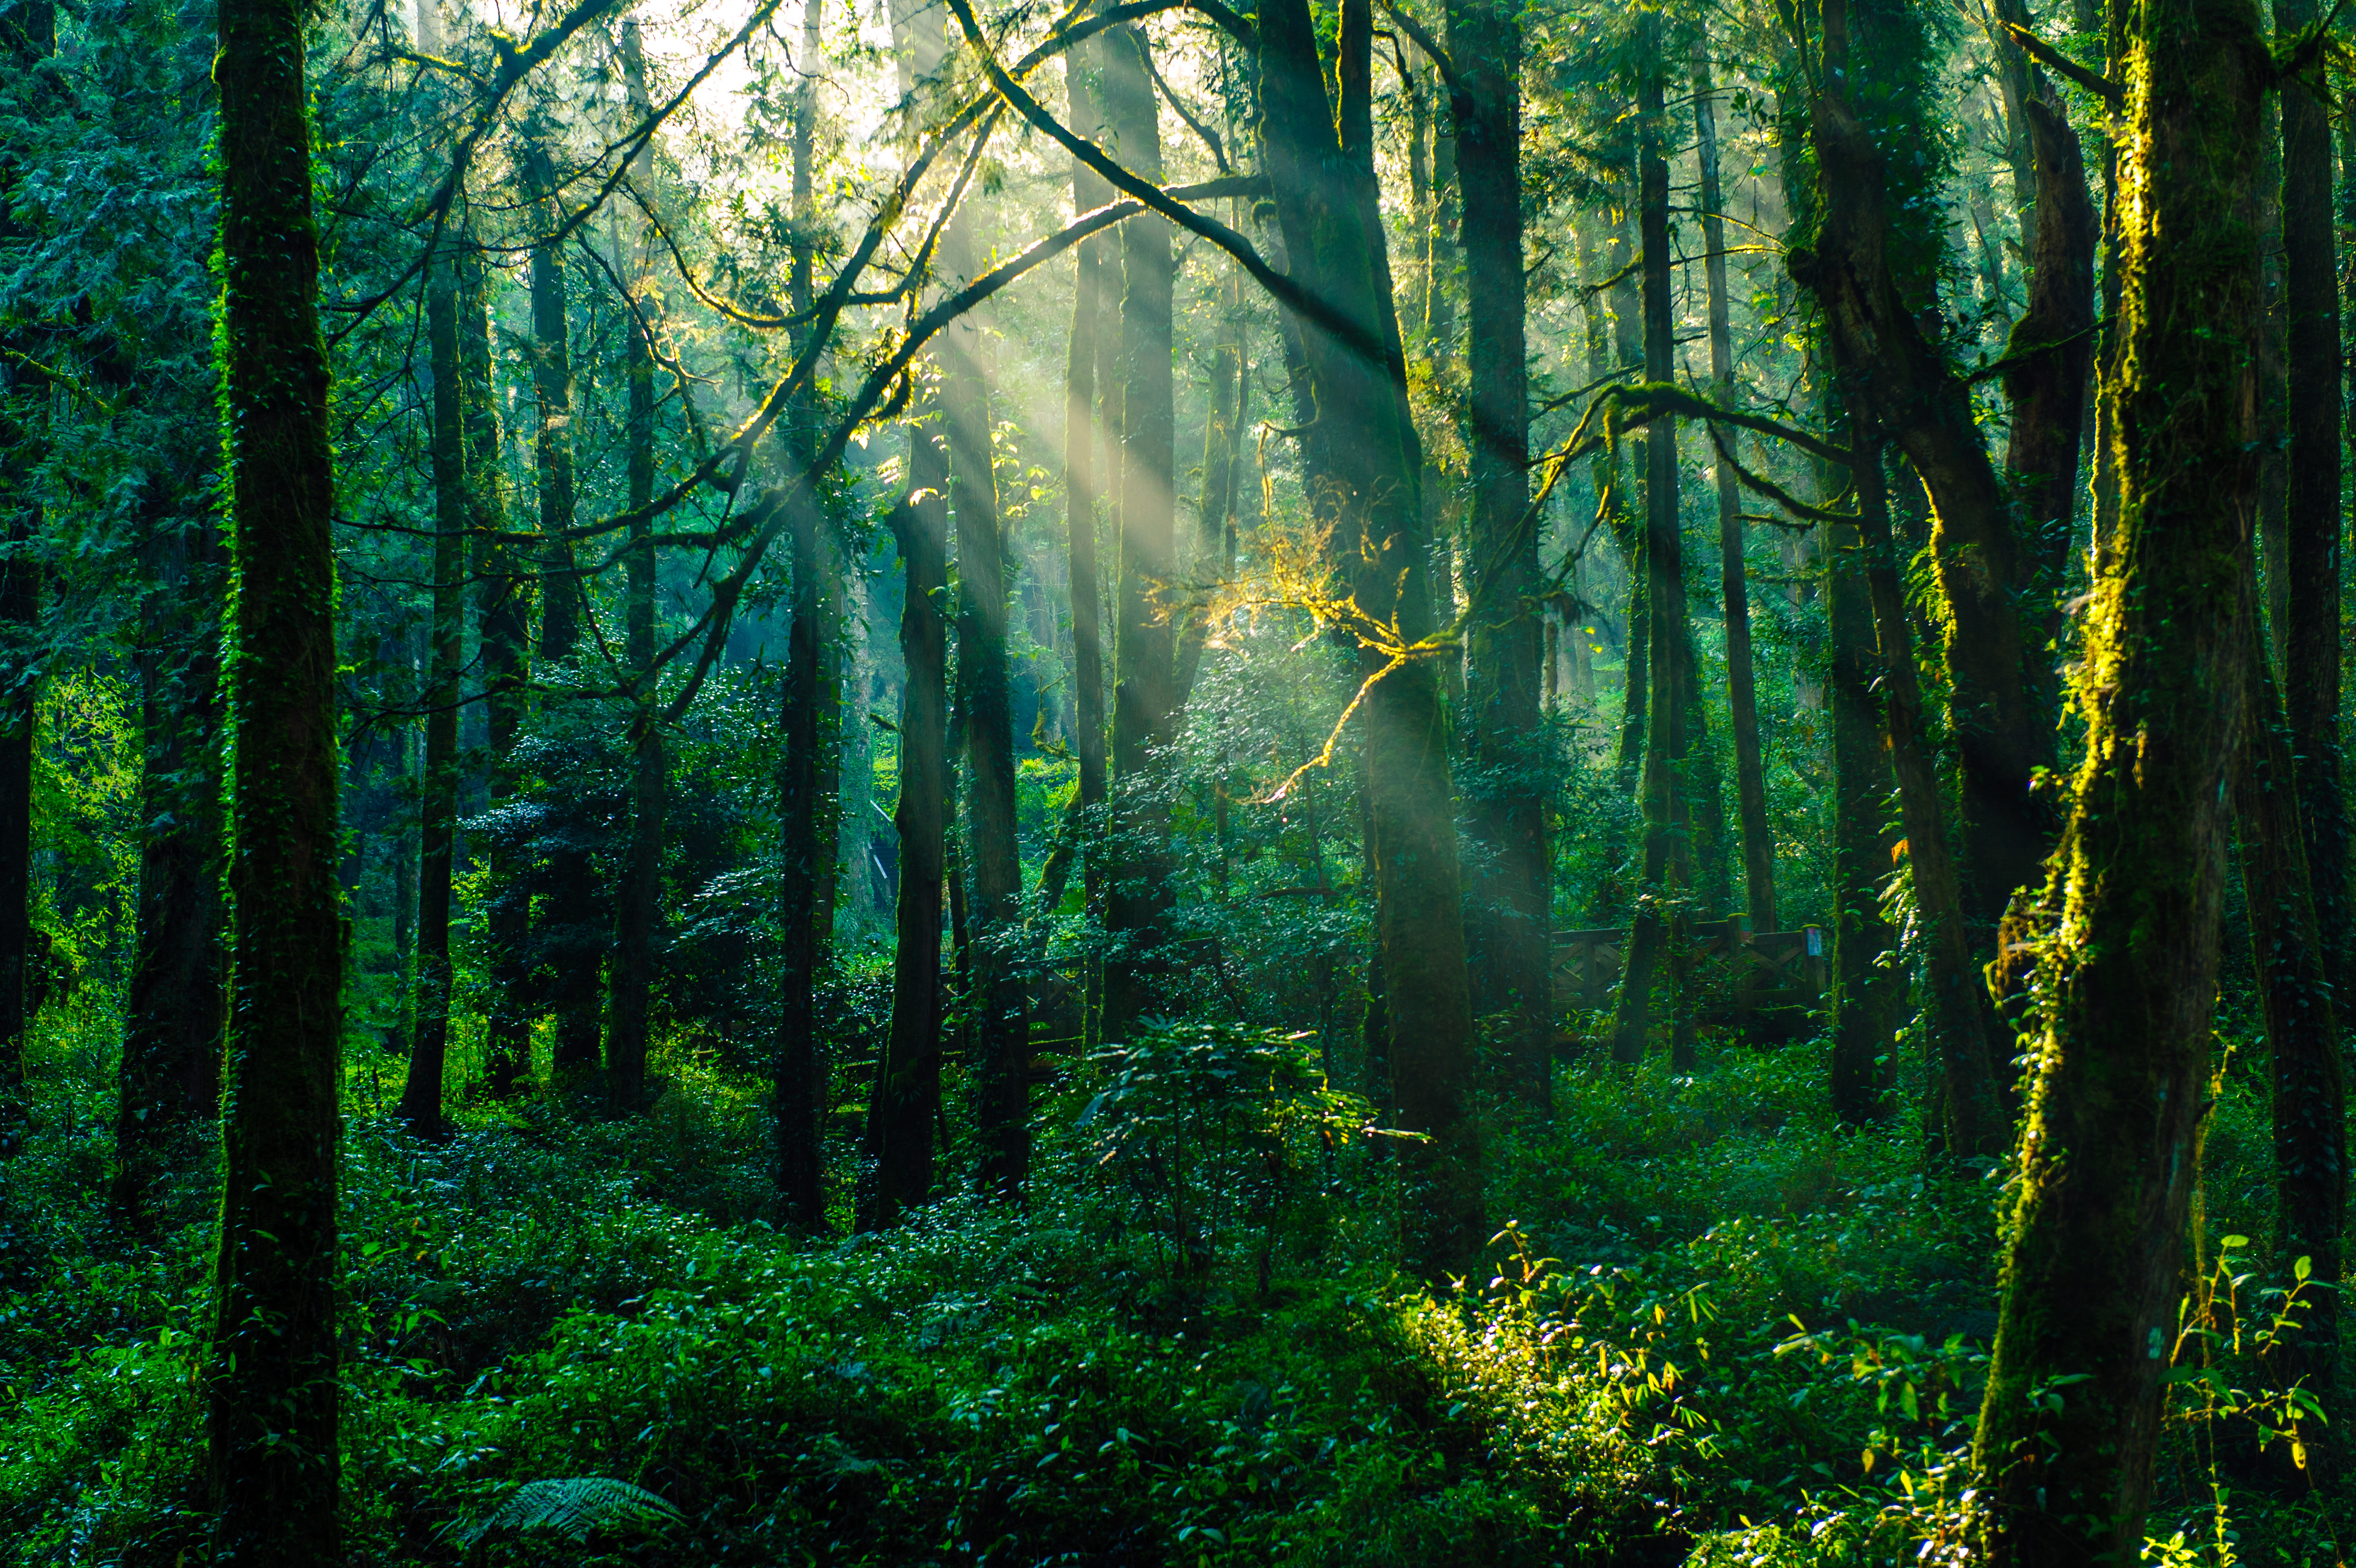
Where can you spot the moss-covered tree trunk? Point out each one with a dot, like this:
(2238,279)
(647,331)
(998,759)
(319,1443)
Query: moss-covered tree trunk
(1867,996)
(170,1079)
(2125,990)
(420,1093)
(1509,740)
(1365,466)
(809,797)
(1137,895)
(271,1377)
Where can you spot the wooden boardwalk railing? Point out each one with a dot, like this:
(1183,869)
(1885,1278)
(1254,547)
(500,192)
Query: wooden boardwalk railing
(1755,970)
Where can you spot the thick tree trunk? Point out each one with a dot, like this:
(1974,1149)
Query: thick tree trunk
(2110,1151)
(1365,466)
(1906,386)
(506,662)
(1001,1031)
(420,1094)
(808,804)
(1138,895)
(1742,701)
(1661,916)
(172,1019)
(271,1373)
(2311,1096)
(1509,740)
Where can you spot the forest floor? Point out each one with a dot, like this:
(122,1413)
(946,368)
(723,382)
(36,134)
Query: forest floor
(1724,1331)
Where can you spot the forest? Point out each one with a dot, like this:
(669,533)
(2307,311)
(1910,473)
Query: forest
(1174,783)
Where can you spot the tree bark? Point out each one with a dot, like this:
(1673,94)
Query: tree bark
(1139,897)
(1509,741)
(1910,390)
(1866,997)
(2109,1153)
(2310,1095)
(808,806)
(1366,466)
(1001,1037)
(271,1373)
(908,1088)
(569,945)
(420,1094)
(172,1019)
(1742,703)
(1661,917)
(505,639)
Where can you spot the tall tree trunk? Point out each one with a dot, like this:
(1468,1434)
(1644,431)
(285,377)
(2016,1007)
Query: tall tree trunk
(1002,1037)
(1083,480)
(1865,997)
(420,1094)
(2110,1152)
(506,660)
(1222,442)
(570,939)
(2310,1095)
(172,1017)
(1970,1119)
(27,37)
(1871,325)
(907,1090)
(632,982)
(1138,896)
(271,1374)
(809,805)
(1742,701)
(1660,917)
(2312,646)
(1365,466)
(1509,740)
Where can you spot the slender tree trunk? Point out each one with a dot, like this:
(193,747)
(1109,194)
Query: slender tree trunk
(420,1095)
(1137,895)
(1866,998)
(27,37)
(2312,646)
(632,982)
(1660,913)
(1002,1039)
(1223,441)
(271,1374)
(1742,703)
(1970,1119)
(809,803)
(1365,466)
(1485,38)
(2311,1096)
(172,1019)
(1083,480)
(570,940)
(506,660)
(2109,1153)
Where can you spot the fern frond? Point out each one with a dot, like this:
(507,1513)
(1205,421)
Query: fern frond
(573,1506)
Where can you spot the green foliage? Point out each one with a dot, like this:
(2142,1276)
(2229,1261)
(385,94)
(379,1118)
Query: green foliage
(575,1507)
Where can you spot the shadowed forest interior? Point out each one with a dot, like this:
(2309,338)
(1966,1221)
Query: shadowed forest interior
(1189,782)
